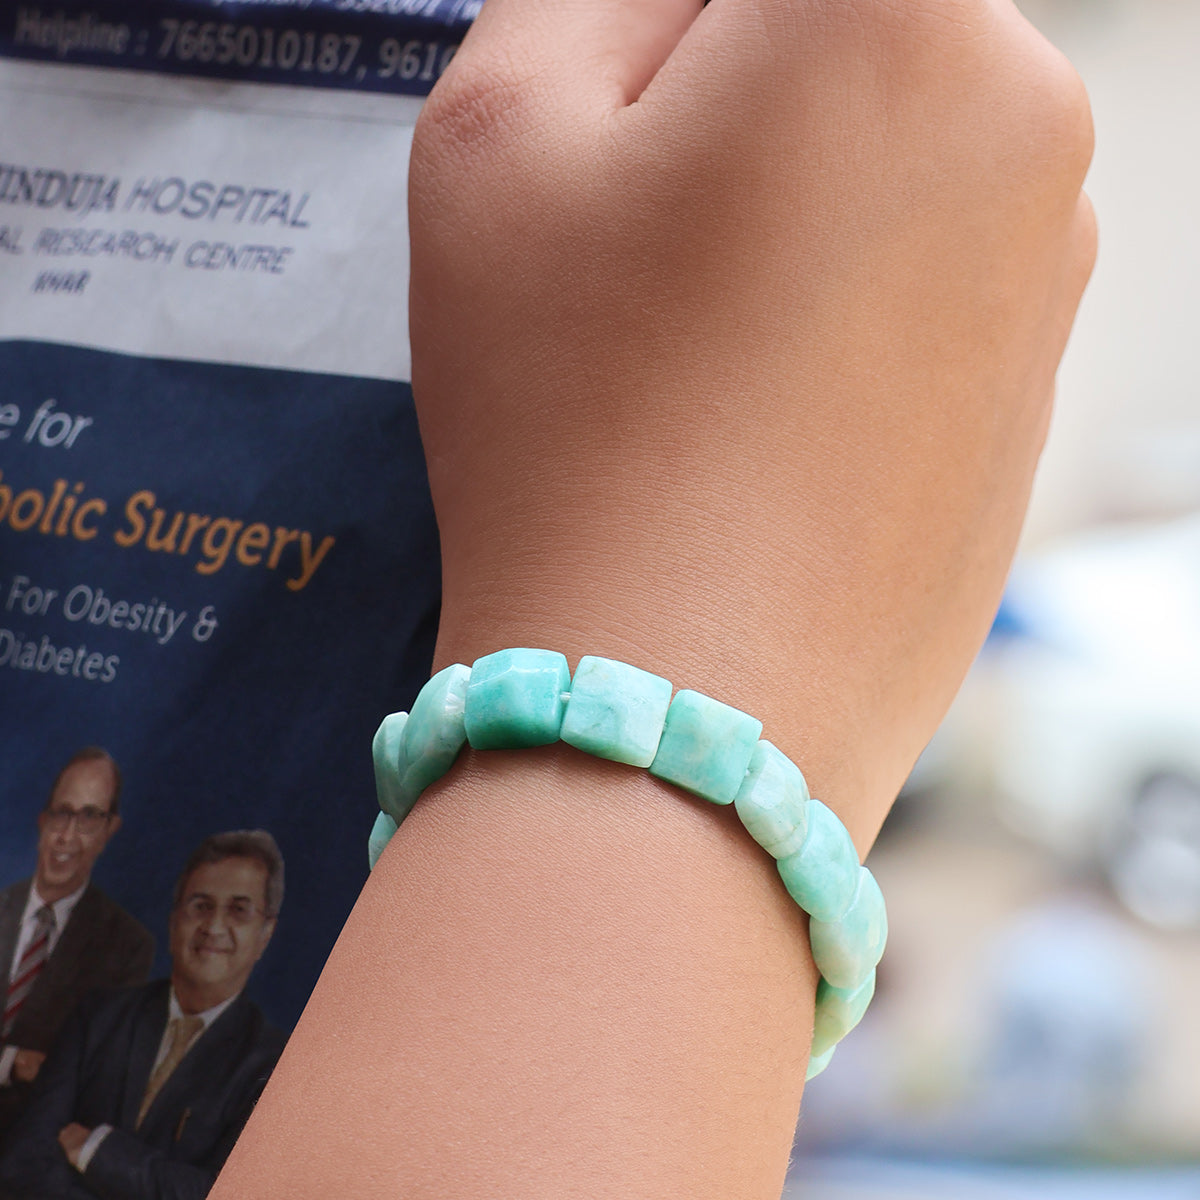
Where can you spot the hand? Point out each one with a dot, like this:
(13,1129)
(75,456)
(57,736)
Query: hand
(734,336)
(734,341)
(27,1064)
(71,1138)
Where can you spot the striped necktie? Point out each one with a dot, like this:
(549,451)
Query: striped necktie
(180,1034)
(30,966)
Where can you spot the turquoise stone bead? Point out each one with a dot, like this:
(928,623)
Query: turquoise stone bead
(818,1063)
(381,834)
(773,802)
(435,732)
(705,746)
(847,950)
(516,699)
(838,1011)
(616,711)
(385,751)
(822,875)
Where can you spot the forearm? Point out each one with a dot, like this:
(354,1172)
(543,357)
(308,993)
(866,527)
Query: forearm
(564,978)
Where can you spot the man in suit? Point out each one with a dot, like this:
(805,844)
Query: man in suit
(60,935)
(148,1088)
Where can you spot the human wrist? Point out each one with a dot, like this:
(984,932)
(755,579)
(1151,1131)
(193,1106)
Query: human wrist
(523,698)
(87,1151)
(718,649)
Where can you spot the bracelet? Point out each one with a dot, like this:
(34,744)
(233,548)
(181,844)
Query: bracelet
(521,698)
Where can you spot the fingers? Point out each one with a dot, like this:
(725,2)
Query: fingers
(836,60)
(1084,243)
(768,52)
(599,54)
(1080,259)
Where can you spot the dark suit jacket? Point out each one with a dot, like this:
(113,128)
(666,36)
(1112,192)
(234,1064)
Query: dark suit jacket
(102,946)
(97,1074)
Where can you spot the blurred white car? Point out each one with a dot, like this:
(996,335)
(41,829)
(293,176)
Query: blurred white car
(1083,712)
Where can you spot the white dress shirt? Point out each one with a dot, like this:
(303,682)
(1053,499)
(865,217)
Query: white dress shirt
(26,932)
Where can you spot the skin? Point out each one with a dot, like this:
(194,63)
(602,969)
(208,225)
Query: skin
(734,339)
(66,856)
(71,1138)
(211,957)
(26,1065)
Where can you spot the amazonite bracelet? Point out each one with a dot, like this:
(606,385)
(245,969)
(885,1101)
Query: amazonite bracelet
(515,699)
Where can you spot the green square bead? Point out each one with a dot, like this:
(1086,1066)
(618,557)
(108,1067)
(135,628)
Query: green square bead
(385,751)
(616,711)
(705,746)
(435,732)
(846,951)
(773,802)
(822,875)
(839,1010)
(381,834)
(516,698)
(817,1063)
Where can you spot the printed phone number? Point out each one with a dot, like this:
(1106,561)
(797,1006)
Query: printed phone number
(299,50)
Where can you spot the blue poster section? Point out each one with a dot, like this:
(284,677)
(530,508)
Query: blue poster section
(225,576)
(399,46)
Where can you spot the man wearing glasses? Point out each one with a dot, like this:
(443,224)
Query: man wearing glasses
(60,935)
(148,1088)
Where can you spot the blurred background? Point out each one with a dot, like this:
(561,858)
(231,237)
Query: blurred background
(1036,1031)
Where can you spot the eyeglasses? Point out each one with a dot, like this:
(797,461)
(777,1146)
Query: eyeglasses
(87,820)
(239,911)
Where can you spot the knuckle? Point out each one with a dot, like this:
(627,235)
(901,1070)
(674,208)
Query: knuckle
(1075,119)
(1060,114)
(473,113)
(1087,235)
(902,25)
